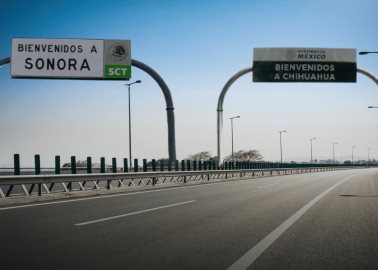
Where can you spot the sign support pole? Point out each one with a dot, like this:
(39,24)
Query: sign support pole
(223,94)
(5,61)
(168,99)
(220,111)
(169,104)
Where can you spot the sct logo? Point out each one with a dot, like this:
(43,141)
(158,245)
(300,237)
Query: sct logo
(117,72)
(118,52)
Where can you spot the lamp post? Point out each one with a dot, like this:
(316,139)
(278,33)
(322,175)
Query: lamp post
(311,139)
(363,53)
(281,141)
(333,150)
(129,84)
(368,156)
(232,135)
(352,152)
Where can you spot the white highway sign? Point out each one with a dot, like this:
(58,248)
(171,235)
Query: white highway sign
(71,58)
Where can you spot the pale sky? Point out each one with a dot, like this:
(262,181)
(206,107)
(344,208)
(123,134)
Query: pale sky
(196,46)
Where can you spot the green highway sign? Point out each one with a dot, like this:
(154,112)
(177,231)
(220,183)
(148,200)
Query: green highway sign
(304,65)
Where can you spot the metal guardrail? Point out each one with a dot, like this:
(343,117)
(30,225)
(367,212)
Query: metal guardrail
(31,185)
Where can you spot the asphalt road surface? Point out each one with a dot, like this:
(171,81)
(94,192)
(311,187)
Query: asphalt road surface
(325,220)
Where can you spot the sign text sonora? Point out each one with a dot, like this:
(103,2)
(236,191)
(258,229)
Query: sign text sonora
(56,64)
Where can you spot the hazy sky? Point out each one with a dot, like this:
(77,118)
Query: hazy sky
(196,46)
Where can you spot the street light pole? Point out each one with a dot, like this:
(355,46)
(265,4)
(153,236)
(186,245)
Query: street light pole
(368,156)
(352,153)
(311,139)
(281,142)
(232,136)
(333,146)
(129,84)
(363,53)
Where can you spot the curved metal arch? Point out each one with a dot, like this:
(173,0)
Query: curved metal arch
(169,104)
(4,61)
(168,100)
(223,94)
(220,111)
(368,74)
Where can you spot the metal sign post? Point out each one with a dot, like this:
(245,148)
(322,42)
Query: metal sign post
(294,65)
(114,63)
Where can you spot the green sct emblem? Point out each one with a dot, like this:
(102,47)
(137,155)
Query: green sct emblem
(118,61)
(117,72)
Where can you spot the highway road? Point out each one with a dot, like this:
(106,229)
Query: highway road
(326,220)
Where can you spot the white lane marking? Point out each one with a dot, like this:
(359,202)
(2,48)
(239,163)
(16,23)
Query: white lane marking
(133,213)
(248,258)
(268,185)
(104,196)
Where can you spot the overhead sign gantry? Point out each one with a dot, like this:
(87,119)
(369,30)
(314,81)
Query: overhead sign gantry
(90,59)
(294,65)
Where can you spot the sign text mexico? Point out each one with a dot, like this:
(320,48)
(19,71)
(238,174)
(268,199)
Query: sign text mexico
(71,59)
(304,65)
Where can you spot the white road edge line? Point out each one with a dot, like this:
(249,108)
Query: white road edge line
(104,196)
(268,185)
(248,258)
(133,213)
